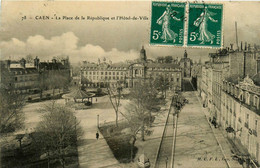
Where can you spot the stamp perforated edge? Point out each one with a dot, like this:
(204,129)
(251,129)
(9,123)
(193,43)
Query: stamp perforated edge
(186,26)
(150,25)
(222,28)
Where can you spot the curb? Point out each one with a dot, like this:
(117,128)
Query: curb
(212,130)
(158,150)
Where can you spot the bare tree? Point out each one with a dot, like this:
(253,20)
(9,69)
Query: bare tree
(114,95)
(11,113)
(143,97)
(58,131)
(29,58)
(56,81)
(134,117)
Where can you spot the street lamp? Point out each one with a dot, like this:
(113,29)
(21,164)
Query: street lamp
(166,161)
(98,121)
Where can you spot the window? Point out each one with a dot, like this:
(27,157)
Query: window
(256,125)
(102,73)
(121,73)
(15,78)
(256,102)
(90,73)
(105,73)
(177,79)
(94,73)
(113,73)
(247,98)
(117,73)
(109,73)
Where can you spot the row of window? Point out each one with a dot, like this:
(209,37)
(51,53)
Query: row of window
(102,73)
(25,78)
(244,96)
(231,107)
(105,77)
(24,84)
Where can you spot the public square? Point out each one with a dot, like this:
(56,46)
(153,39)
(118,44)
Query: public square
(196,144)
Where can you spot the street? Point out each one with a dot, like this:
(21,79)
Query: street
(196,144)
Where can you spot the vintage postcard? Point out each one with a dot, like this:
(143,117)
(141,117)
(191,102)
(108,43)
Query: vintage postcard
(129,84)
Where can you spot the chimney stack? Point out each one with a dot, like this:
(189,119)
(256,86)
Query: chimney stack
(36,62)
(245,46)
(8,63)
(241,45)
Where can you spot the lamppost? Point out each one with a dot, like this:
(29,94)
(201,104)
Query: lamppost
(98,121)
(166,161)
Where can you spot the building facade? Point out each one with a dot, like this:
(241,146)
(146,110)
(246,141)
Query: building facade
(27,78)
(230,87)
(240,110)
(129,73)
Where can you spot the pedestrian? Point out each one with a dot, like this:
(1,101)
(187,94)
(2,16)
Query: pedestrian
(97,135)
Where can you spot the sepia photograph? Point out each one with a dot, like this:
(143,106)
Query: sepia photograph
(129,84)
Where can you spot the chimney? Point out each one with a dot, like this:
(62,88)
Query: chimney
(54,60)
(241,46)
(245,46)
(36,62)
(249,47)
(231,46)
(8,63)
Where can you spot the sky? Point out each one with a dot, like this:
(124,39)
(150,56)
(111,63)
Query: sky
(116,40)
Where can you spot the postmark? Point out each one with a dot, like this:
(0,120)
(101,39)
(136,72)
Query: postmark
(205,25)
(167,23)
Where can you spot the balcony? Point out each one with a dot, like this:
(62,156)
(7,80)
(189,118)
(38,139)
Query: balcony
(246,125)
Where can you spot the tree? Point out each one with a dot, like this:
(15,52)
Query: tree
(134,117)
(11,114)
(144,98)
(162,83)
(56,81)
(114,95)
(168,59)
(29,58)
(58,131)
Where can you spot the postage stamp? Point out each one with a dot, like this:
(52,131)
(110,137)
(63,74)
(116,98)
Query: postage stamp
(167,23)
(205,25)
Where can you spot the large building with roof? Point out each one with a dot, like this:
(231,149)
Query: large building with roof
(128,74)
(26,77)
(230,89)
